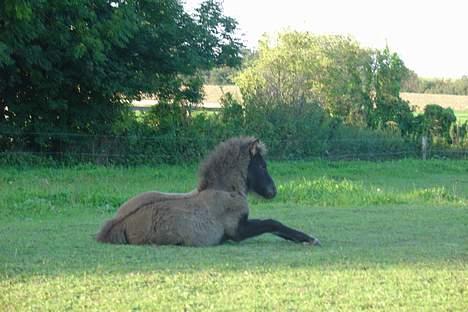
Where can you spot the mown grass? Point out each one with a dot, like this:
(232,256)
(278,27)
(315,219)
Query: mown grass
(394,237)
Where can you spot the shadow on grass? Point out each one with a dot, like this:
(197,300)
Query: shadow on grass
(352,238)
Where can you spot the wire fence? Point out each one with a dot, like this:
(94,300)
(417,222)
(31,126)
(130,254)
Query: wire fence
(44,147)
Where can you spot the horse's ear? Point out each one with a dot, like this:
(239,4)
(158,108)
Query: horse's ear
(253,147)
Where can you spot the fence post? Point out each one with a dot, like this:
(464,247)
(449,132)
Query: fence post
(424,146)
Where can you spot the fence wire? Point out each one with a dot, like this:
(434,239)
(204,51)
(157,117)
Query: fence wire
(133,149)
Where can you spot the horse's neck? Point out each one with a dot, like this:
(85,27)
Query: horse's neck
(228,187)
(228,183)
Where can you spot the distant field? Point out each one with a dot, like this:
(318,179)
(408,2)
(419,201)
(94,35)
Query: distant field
(459,103)
(420,100)
(213,93)
(462,116)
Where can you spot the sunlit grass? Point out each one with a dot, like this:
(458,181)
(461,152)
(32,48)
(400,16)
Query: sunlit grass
(394,237)
(462,116)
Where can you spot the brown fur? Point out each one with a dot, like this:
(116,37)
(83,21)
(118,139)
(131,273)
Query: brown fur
(199,218)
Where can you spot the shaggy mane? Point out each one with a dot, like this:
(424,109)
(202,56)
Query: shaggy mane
(225,168)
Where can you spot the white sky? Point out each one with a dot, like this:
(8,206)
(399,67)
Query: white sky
(430,36)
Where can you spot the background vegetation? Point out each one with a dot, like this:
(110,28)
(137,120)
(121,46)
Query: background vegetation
(69,70)
(416,84)
(74,66)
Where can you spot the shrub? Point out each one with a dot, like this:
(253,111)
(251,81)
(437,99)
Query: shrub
(436,122)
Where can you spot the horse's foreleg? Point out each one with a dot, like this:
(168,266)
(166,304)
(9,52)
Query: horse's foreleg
(253,227)
(296,236)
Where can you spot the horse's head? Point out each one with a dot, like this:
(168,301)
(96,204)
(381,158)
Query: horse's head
(258,178)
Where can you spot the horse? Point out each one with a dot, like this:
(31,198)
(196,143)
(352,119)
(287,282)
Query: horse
(215,212)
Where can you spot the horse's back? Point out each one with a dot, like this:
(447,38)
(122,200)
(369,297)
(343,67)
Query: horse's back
(149,198)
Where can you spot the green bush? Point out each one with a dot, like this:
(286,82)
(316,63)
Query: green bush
(438,121)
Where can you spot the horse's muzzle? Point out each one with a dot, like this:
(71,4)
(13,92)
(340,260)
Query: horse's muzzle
(271,192)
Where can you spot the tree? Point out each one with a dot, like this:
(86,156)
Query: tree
(413,83)
(301,68)
(353,84)
(388,109)
(224,75)
(75,65)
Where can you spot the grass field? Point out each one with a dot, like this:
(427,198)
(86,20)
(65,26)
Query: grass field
(462,116)
(213,93)
(459,103)
(394,236)
(420,100)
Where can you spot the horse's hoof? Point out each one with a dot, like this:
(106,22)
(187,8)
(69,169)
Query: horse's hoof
(314,242)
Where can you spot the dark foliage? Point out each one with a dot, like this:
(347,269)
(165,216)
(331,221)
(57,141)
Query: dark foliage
(73,66)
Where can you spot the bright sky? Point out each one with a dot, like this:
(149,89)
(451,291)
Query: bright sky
(430,36)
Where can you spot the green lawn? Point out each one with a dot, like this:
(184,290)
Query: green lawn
(394,236)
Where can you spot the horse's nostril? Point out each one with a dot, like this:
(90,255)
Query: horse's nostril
(272,193)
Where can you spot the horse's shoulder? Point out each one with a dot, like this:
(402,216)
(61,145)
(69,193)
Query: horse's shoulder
(226,204)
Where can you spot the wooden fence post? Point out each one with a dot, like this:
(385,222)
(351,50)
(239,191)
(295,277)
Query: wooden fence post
(424,146)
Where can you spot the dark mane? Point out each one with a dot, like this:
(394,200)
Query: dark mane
(226,167)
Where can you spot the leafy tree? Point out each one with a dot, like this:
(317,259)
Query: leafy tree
(302,68)
(356,85)
(224,75)
(411,83)
(416,84)
(220,76)
(388,109)
(74,65)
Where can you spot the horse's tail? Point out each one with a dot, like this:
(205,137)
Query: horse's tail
(112,232)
